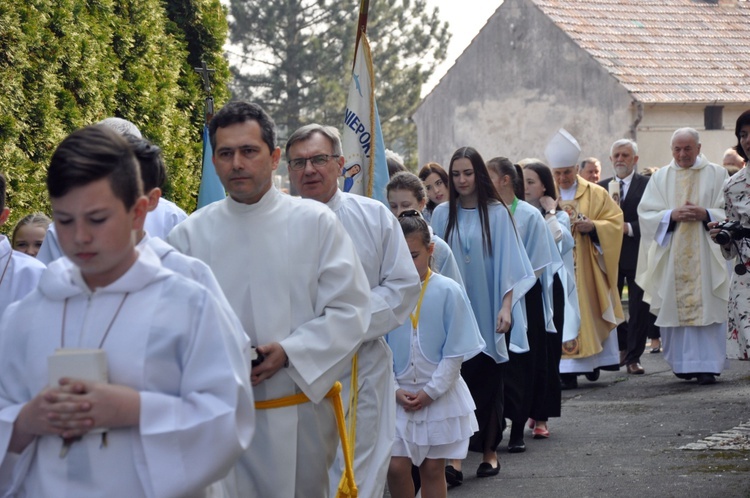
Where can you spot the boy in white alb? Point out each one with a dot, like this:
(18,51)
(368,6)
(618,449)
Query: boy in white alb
(177,379)
(163,215)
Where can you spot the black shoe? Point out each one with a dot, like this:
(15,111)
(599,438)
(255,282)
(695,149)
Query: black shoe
(685,376)
(516,446)
(568,381)
(487,470)
(705,379)
(453,477)
(594,376)
(610,368)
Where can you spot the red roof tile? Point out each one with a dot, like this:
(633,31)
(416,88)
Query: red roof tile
(664,50)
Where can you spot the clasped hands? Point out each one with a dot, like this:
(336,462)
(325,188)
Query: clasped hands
(689,212)
(74,408)
(413,402)
(274,358)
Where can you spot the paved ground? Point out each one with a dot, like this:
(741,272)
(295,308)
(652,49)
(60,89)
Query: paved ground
(651,435)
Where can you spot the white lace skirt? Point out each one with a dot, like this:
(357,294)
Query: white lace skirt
(441,430)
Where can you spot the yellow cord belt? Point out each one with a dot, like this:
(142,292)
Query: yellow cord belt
(352,437)
(347,486)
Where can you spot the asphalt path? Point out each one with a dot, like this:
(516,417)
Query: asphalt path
(650,435)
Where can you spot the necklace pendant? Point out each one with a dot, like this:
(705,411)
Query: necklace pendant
(467,259)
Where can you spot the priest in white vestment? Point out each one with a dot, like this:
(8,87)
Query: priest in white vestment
(292,275)
(680,269)
(316,162)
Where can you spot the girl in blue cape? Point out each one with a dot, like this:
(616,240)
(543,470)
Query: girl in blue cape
(497,273)
(435,417)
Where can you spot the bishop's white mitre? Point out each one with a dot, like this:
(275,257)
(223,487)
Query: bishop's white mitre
(563,150)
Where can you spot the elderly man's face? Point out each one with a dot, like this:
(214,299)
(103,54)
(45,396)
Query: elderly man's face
(319,183)
(565,177)
(685,150)
(591,172)
(623,160)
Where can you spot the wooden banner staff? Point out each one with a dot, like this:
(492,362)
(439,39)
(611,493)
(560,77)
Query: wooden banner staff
(364,8)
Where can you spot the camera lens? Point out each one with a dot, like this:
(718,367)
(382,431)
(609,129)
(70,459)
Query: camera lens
(723,237)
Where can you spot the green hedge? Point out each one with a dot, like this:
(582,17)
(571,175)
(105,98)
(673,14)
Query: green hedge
(69,63)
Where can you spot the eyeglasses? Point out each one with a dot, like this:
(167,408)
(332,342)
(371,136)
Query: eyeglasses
(317,161)
(409,213)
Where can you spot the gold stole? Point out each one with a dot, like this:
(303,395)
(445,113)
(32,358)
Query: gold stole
(601,310)
(685,251)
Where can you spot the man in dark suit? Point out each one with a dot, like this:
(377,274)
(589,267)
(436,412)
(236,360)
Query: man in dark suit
(629,186)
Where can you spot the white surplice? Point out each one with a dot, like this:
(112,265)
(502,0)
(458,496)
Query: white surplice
(394,291)
(292,275)
(21,276)
(198,271)
(171,342)
(164,218)
(50,249)
(566,245)
(682,271)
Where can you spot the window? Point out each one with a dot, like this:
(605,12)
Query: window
(712,117)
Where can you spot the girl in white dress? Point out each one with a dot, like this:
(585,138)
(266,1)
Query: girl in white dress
(435,417)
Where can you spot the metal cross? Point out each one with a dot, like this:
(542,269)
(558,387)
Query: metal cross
(205,73)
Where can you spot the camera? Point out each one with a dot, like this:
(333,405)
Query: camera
(729,231)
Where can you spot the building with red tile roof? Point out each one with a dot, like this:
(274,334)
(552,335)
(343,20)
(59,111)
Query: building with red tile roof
(602,69)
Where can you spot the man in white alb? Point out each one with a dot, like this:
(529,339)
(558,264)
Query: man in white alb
(315,163)
(681,270)
(291,273)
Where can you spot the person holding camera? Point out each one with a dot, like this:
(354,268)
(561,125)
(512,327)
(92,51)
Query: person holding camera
(733,236)
(681,271)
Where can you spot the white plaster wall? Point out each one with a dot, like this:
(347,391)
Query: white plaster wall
(522,78)
(660,121)
(519,81)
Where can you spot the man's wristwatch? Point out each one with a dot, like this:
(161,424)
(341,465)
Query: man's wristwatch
(551,211)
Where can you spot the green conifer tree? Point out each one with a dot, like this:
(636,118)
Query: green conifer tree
(295,59)
(70,63)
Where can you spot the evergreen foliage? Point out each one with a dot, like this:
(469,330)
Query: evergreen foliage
(297,60)
(70,63)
